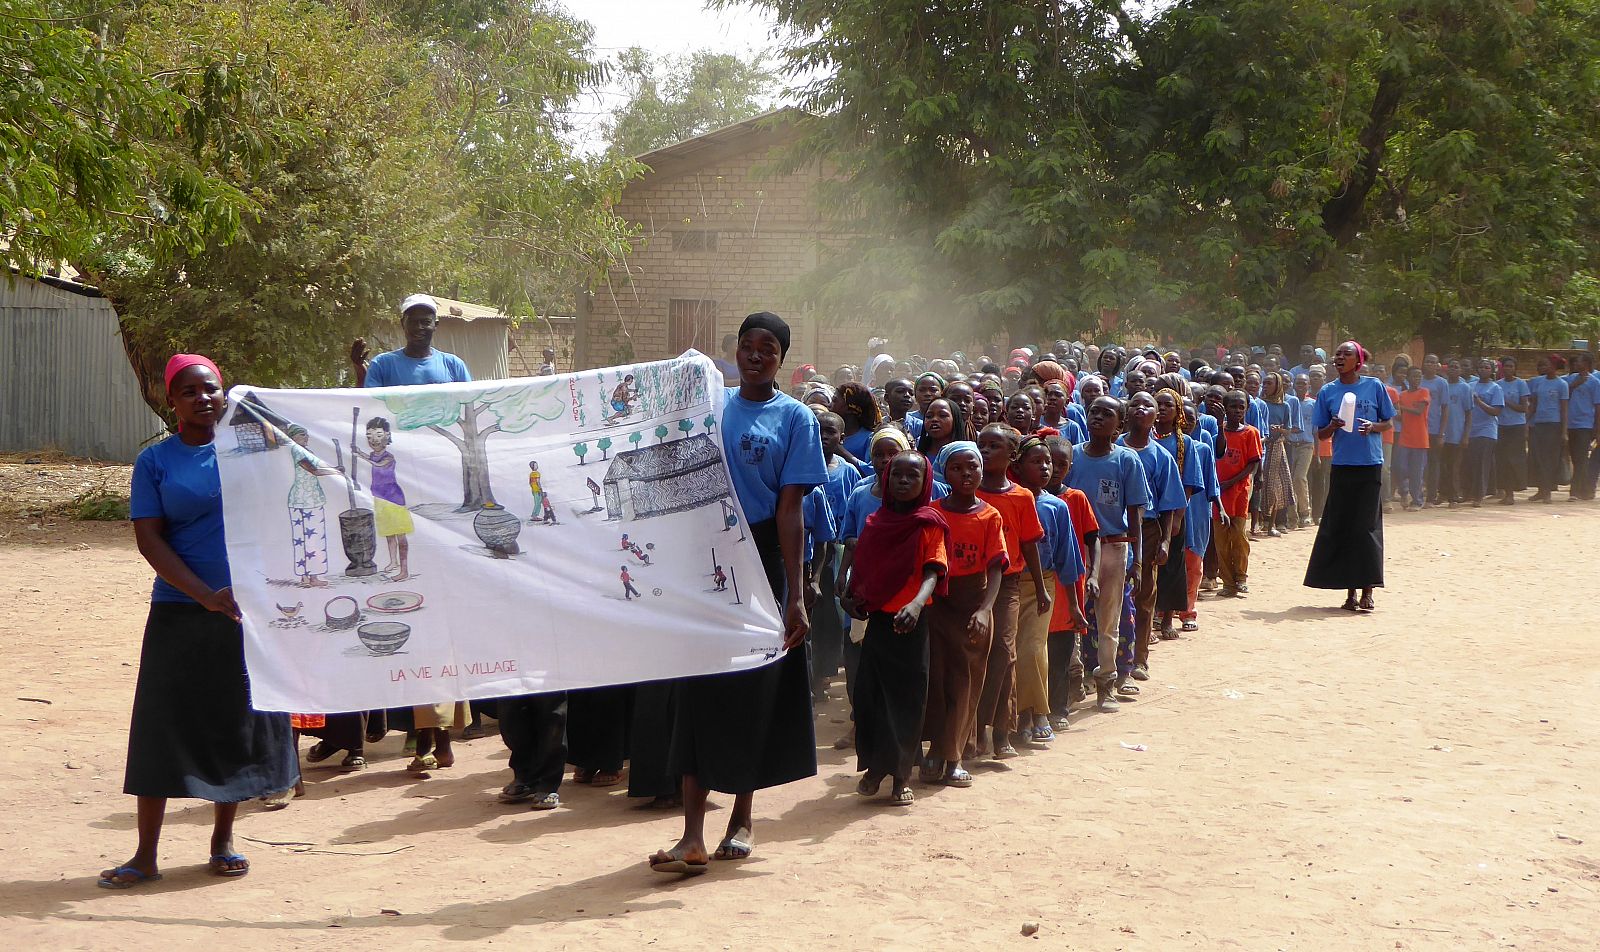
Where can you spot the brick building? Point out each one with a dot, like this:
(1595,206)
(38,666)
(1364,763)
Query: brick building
(721,235)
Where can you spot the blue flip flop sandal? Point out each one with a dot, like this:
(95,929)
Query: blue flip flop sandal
(220,864)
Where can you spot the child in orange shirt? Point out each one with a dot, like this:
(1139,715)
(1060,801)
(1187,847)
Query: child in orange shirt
(1238,456)
(997,704)
(901,559)
(1066,660)
(960,621)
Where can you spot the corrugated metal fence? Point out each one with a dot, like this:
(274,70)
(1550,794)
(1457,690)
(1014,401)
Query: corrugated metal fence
(65,382)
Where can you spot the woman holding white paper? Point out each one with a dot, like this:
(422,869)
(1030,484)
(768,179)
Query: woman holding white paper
(1354,410)
(741,732)
(193,732)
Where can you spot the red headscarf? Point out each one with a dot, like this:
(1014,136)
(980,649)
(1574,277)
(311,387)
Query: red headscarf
(181,362)
(801,374)
(890,541)
(1361,352)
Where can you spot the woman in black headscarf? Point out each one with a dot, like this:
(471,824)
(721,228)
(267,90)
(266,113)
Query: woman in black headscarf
(744,731)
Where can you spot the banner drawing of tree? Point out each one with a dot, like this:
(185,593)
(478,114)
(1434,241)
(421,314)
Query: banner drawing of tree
(468,418)
(582,450)
(710,421)
(604,446)
(635,438)
(685,426)
(661,433)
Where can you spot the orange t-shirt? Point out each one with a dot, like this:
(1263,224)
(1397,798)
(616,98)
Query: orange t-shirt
(930,551)
(1021,521)
(977,539)
(1388,435)
(1083,522)
(1244,448)
(1414,426)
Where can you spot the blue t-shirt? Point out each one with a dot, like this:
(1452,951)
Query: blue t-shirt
(1372,404)
(1256,416)
(819,520)
(862,503)
(1549,395)
(1208,425)
(1197,522)
(859,444)
(1058,550)
(1075,411)
(180,483)
(1437,388)
(1071,431)
(913,423)
(1161,473)
(1582,399)
(842,479)
(1189,472)
(1458,398)
(1485,425)
(395,369)
(769,446)
(1299,420)
(1514,390)
(1112,482)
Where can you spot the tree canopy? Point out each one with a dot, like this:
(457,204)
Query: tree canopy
(1208,168)
(670,99)
(265,181)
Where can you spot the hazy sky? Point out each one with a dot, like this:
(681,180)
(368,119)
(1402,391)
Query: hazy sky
(663,27)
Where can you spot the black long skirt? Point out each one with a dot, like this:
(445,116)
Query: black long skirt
(1545,442)
(748,730)
(891,695)
(1349,549)
(1511,459)
(655,706)
(193,732)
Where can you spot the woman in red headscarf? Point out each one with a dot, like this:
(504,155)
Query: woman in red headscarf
(1348,553)
(193,732)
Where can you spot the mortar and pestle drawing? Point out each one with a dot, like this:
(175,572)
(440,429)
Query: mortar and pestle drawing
(358,528)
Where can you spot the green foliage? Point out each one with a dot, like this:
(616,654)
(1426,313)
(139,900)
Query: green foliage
(86,133)
(263,182)
(676,98)
(99,505)
(1209,167)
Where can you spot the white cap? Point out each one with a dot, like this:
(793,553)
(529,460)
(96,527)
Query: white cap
(419,300)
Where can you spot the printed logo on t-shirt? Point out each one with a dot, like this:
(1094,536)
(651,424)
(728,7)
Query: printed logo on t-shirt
(1110,492)
(966,554)
(753,448)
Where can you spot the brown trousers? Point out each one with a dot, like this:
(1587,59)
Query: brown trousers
(956,661)
(997,701)
(1233,551)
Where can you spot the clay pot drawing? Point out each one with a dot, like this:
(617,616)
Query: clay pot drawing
(383,637)
(359,533)
(341,612)
(497,529)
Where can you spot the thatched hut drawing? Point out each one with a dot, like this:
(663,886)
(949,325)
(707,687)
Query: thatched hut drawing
(665,478)
(257,426)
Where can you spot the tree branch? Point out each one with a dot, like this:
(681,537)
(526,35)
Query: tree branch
(1343,214)
(458,441)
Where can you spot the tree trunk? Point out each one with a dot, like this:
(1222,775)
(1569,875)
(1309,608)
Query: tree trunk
(475,489)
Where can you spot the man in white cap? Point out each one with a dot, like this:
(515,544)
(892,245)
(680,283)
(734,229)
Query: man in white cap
(417,362)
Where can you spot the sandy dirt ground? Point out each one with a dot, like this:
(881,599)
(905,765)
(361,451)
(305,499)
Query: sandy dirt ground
(1426,777)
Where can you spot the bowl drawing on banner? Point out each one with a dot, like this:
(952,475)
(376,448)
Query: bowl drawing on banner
(342,612)
(383,637)
(395,603)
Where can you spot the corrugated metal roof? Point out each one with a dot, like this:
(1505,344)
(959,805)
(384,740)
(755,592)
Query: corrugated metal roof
(65,381)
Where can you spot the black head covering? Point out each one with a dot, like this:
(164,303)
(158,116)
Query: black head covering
(768,321)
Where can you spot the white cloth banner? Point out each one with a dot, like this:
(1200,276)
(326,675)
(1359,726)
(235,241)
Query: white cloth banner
(415,545)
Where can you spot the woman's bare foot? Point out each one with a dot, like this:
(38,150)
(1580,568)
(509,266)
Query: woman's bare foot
(688,857)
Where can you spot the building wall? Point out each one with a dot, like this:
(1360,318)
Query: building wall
(65,381)
(530,337)
(769,233)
